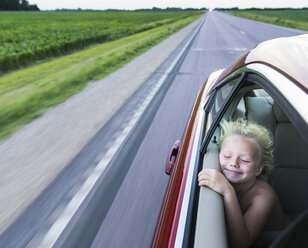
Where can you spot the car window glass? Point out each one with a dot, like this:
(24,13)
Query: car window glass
(221,94)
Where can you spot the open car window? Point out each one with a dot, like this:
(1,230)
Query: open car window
(256,102)
(212,232)
(218,98)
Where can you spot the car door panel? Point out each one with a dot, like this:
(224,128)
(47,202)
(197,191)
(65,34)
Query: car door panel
(210,226)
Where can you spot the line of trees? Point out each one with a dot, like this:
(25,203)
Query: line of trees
(257,9)
(17,5)
(172,9)
(168,9)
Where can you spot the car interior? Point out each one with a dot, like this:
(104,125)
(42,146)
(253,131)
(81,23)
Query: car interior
(288,176)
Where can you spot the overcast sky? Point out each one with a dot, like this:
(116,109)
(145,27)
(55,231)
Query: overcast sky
(138,4)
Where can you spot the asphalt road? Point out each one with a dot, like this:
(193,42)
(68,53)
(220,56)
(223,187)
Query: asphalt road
(131,219)
(121,207)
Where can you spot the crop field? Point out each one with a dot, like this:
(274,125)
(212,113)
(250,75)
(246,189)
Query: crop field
(91,45)
(291,18)
(26,37)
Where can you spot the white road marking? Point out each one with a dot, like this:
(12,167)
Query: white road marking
(242,32)
(240,49)
(52,235)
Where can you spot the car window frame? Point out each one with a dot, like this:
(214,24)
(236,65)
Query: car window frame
(269,87)
(294,117)
(190,224)
(249,75)
(206,138)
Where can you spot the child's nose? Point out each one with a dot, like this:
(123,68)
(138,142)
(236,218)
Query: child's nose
(234,162)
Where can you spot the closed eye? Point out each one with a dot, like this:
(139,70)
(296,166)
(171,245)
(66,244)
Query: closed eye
(245,161)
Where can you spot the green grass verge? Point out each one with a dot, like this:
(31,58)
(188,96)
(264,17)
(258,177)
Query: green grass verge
(295,18)
(27,93)
(27,37)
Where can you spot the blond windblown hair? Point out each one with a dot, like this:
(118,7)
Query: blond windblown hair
(257,134)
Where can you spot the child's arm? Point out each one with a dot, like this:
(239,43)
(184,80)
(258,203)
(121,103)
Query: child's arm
(243,229)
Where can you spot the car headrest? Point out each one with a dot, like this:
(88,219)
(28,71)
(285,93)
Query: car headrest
(259,110)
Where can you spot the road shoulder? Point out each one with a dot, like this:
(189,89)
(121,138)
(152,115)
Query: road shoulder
(31,158)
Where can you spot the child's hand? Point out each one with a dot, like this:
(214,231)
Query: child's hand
(214,180)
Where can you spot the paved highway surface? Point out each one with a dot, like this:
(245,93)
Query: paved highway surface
(118,198)
(131,220)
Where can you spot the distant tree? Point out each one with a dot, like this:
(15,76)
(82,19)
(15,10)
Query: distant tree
(173,9)
(24,3)
(17,5)
(194,9)
(9,4)
(170,9)
(112,10)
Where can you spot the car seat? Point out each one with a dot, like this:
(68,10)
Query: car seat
(290,173)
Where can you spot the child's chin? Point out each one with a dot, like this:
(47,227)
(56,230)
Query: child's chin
(231,175)
(233,178)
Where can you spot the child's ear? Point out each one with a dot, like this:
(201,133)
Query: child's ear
(259,169)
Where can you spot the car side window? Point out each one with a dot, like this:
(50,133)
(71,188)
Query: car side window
(217,99)
(228,103)
(256,101)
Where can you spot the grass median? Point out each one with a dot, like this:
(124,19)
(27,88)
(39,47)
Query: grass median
(27,93)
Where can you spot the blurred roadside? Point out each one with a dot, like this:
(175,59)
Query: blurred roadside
(31,158)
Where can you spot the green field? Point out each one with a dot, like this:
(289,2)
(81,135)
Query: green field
(26,37)
(28,92)
(291,18)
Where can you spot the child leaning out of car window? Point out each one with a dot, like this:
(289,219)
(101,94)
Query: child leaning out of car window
(251,205)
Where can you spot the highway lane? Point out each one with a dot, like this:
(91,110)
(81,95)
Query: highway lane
(132,217)
(122,208)
(32,157)
(43,221)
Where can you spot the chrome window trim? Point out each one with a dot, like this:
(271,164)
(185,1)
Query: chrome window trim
(194,160)
(295,96)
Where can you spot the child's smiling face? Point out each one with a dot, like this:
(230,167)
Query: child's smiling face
(239,159)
